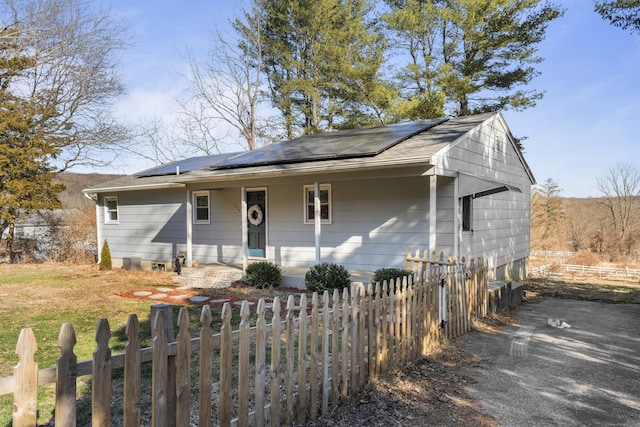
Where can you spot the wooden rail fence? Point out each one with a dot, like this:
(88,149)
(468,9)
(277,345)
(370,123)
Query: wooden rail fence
(585,270)
(305,361)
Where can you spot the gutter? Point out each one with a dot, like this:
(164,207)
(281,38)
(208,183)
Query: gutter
(160,186)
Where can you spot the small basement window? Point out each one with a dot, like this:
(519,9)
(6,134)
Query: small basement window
(111,210)
(467,213)
(201,207)
(325,204)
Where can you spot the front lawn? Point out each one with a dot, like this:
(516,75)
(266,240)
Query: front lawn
(44,296)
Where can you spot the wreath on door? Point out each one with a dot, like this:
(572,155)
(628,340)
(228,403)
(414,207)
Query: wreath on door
(255,215)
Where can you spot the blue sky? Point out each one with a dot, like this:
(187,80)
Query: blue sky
(587,122)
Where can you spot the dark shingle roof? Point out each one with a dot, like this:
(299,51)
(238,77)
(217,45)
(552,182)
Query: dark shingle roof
(399,144)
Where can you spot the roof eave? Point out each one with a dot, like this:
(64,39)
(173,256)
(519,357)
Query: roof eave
(156,186)
(308,168)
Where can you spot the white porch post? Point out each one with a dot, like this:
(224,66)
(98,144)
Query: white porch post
(317,220)
(245,229)
(433,212)
(98,228)
(189,257)
(457,234)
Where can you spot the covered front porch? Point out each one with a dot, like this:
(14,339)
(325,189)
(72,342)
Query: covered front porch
(222,275)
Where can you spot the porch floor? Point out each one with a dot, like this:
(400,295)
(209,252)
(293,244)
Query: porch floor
(292,277)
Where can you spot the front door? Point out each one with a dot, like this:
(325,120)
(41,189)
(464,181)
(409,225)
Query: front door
(256,222)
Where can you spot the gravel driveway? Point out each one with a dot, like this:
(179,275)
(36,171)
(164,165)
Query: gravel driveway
(584,374)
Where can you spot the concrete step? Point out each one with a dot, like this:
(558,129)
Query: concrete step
(504,294)
(201,282)
(208,277)
(219,273)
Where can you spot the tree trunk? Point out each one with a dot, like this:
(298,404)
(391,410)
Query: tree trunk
(9,244)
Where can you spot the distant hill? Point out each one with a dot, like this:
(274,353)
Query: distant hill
(72,196)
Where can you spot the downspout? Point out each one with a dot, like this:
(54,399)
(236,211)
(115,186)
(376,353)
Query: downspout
(94,198)
(189,257)
(433,211)
(317,220)
(245,229)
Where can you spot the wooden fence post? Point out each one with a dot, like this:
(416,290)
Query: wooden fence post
(183,370)
(66,377)
(261,350)
(205,368)
(170,398)
(377,321)
(101,387)
(344,348)
(372,350)
(362,313)
(314,385)
(303,401)
(335,347)
(25,380)
(132,370)
(326,384)
(276,343)
(159,372)
(226,344)
(244,348)
(382,315)
(290,357)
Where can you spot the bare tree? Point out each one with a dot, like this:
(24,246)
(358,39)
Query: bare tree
(58,80)
(73,50)
(621,198)
(225,89)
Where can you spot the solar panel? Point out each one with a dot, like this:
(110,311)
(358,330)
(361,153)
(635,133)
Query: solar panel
(362,142)
(184,166)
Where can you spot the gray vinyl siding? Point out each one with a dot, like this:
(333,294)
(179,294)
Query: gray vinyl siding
(151,225)
(374,222)
(445,217)
(221,240)
(500,221)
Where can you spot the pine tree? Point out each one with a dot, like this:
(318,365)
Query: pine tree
(322,60)
(26,180)
(468,56)
(624,14)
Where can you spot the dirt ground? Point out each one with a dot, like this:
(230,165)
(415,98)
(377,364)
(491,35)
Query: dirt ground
(426,392)
(432,391)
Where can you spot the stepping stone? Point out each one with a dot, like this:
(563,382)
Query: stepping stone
(142,293)
(177,296)
(239,303)
(268,306)
(158,296)
(219,301)
(164,289)
(183,288)
(198,299)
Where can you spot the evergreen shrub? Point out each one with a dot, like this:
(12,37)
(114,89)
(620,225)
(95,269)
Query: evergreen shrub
(388,274)
(264,274)
(327,276)
(105,257)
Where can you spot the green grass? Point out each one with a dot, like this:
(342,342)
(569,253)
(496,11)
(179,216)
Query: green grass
(45,296)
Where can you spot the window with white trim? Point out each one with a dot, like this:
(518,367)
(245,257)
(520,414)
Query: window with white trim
(111,210)
(325,204)
(201,207)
